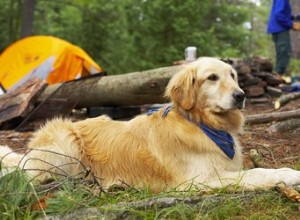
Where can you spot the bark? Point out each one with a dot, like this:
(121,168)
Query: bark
(139,88)
(295,35)
(27,17)
(19,103)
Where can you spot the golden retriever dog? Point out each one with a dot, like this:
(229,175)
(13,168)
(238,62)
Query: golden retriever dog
(192,141)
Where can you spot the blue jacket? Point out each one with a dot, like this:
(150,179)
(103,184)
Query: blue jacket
(280,17)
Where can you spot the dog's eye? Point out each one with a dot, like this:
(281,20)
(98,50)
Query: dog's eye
(213,77)
(232,75)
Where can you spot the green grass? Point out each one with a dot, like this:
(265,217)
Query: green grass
(294,67)
(296,165)
(17,197)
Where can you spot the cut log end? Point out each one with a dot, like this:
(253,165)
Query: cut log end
(277,104)
(255,157)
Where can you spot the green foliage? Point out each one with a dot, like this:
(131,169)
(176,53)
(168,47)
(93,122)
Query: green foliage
(70,198)
(294,67)
(9,22)
(16,196)
(132,35)
(58,19)
(260,42)
(296,164)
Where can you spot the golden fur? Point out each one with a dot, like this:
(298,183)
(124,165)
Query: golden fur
(153,150)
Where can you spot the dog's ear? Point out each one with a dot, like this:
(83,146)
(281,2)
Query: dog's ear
(181,88)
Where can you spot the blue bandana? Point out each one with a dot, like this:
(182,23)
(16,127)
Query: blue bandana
(221,138)
(168,108)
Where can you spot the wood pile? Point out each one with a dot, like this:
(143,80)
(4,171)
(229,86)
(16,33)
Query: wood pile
(256,78)
(35,100)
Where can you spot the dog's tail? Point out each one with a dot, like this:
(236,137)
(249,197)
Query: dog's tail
(8,158)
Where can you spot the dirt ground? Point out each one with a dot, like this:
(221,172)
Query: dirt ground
(278,149)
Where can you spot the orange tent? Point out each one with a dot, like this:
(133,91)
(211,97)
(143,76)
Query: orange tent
(46,57)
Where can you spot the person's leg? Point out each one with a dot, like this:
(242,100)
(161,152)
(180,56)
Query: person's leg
(283,51)
(275,39)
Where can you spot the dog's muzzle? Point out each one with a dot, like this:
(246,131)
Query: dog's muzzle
(239,99)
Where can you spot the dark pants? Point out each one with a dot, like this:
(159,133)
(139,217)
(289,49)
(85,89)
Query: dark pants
(283,48)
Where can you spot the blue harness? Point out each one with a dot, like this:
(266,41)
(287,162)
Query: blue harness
(221,138)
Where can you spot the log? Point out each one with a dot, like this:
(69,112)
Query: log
(138,88)
(245,77)
(249,81)
(254,91)
(232,61)
(16,104)
(242,69)
(262,100)
(286,125)
(275,92)
(282,100)
(275,116)
(59,103)
(260,64)
(262,75)
(256,158)
(120,210)
(273,81)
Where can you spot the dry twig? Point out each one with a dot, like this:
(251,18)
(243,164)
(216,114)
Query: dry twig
(85,176)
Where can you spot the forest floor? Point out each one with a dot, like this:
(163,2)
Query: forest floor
(279,149)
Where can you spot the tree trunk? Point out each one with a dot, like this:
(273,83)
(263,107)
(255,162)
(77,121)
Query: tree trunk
(295,35)
(27,17)
(146,87)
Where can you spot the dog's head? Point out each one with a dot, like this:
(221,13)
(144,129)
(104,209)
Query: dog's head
(207,84)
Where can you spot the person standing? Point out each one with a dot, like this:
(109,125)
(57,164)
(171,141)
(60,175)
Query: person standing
(280,23)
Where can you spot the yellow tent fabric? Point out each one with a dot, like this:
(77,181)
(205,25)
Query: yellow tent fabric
(46,57)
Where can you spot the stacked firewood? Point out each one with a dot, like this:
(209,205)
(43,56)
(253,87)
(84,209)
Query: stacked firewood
(256,78)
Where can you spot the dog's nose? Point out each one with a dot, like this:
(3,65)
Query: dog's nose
(239,96)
